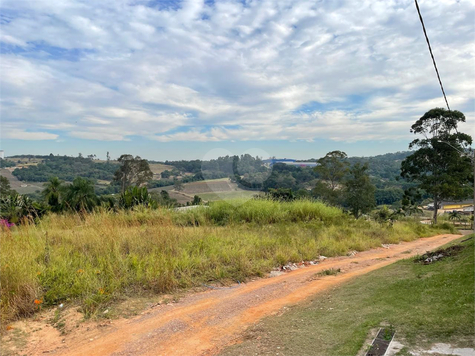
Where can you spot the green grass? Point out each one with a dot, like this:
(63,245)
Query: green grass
(94,259)
(215,196)
(424,303)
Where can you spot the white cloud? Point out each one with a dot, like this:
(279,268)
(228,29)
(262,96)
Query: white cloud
(111,70)
(27,135)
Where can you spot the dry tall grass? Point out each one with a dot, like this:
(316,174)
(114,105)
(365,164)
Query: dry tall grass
(95,258)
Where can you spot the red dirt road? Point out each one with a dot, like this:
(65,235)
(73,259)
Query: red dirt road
(203,323)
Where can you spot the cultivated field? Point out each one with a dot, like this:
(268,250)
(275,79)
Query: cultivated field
(209,190)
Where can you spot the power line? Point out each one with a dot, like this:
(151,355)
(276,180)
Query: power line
(430,50)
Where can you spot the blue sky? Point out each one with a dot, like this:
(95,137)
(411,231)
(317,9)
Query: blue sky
(188,79)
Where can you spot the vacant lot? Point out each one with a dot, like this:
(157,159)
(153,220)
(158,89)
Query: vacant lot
(96,258)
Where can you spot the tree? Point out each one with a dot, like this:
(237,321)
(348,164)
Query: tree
(165,174)
(178,185)
(437,165)
(5,188)
(197,200)
(359,192)
(80,195)
(132,171)
(53,192)
(331,170)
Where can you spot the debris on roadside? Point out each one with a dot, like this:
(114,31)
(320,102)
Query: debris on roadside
(352,253)
(292,266)
(430,257)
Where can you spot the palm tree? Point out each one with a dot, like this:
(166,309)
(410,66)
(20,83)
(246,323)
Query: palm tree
(80,195)
(53,193)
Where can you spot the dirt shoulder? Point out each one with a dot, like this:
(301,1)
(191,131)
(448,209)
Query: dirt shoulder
(203,323)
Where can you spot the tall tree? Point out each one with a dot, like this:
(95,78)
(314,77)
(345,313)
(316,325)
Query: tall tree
(53,193)
(331,170)
(132,171)
(437,164)
(359,191)
(5,188)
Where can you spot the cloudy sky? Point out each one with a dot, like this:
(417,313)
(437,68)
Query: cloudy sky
(175,79)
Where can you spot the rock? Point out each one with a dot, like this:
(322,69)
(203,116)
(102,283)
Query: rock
(322,258)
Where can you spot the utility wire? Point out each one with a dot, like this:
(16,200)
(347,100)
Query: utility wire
(430,50)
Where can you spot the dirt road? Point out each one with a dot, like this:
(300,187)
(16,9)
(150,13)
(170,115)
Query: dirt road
(205,322)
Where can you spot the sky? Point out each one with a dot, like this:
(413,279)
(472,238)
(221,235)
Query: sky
(192,79)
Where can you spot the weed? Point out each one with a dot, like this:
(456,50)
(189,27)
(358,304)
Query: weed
(328,272)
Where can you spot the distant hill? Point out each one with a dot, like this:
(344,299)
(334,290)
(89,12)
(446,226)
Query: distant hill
(385,167)
(63,167)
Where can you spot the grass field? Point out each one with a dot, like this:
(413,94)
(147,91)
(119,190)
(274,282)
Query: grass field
(95,259)
(209,190)
(229,195)
(158,168)
(424,303)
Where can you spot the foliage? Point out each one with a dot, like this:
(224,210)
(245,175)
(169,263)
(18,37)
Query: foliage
(410,202)
(18,209)
(5,188)
(165,174)
(4,163)
(65,168)
(178,185)
(80,195)
(388,196)
(455,215)
(196,200)
(163,199)
(136,196)
(132,171)
(359,192)
(53,194)
(281,194)
(331,169)
(436,165)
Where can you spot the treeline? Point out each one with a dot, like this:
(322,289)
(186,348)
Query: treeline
(78,196)
(66,168)
(246,165)
(4,163)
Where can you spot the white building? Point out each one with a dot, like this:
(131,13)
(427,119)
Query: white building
(2,154)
